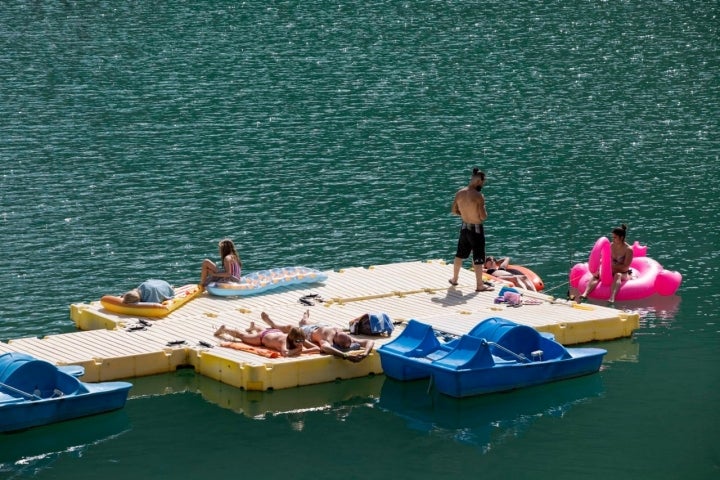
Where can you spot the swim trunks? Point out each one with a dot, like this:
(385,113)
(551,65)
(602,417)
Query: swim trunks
(309,329)
(472,239)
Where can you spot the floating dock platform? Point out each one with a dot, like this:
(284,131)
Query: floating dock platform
(112,346)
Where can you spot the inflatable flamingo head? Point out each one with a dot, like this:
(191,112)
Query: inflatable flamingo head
(667,282)
(639,250)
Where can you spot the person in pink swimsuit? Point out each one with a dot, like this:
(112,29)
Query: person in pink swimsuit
(290,344)
(231,268)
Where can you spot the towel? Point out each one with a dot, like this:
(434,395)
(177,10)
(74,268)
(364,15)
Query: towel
(262,351)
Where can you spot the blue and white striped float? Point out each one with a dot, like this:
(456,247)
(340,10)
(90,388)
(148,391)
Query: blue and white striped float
(264,280)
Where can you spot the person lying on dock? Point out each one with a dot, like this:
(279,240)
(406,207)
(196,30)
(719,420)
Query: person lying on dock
(150,291)
(330,340)
(289,344)
(498,268)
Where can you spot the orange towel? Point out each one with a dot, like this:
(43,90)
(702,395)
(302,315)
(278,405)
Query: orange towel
(262,351)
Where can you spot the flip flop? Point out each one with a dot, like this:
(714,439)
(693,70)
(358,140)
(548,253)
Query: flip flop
(454,284)
(532,301)
(486,289)
(306,301)
(310,299)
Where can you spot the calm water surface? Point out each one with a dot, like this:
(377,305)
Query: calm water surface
(136,135)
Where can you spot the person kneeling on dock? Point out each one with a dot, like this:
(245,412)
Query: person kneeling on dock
(289,344)
(330,340)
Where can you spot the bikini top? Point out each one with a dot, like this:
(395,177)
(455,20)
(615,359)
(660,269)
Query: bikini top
(490,271)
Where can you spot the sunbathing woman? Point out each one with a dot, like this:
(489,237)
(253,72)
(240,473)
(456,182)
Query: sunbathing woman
(499,269)
(288,344)
(327,339)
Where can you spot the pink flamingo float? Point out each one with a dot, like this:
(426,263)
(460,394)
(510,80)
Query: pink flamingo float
(648,276)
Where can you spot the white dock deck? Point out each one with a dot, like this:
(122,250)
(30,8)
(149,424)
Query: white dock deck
(113,346)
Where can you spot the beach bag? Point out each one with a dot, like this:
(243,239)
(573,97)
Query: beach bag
(513,299)
(510,296)
(378,324)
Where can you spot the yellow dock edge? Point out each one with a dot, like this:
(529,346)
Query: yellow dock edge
(287,374)
(599,330)
(87,319)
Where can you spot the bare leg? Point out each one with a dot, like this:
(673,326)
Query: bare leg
(528,284)
(590,287)
(305,318)
(206,271)
(481,287)
(224,332)
(220,332)
(283,328)
(457,265)
(253,328)
(617,279)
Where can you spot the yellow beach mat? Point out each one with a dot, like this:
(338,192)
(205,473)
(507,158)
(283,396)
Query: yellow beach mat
(183,295)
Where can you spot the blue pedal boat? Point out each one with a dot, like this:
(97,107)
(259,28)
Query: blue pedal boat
(495,356)
(35,392)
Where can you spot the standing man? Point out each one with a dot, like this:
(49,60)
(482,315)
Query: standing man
(469,203)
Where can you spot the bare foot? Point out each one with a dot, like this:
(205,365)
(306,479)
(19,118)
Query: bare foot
(266,318)
(251,328)
(220,331)
(306,317)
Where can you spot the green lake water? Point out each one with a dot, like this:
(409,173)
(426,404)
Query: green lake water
(135,135)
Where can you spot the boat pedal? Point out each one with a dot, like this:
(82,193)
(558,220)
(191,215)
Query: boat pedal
(57,394)
(537,355)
